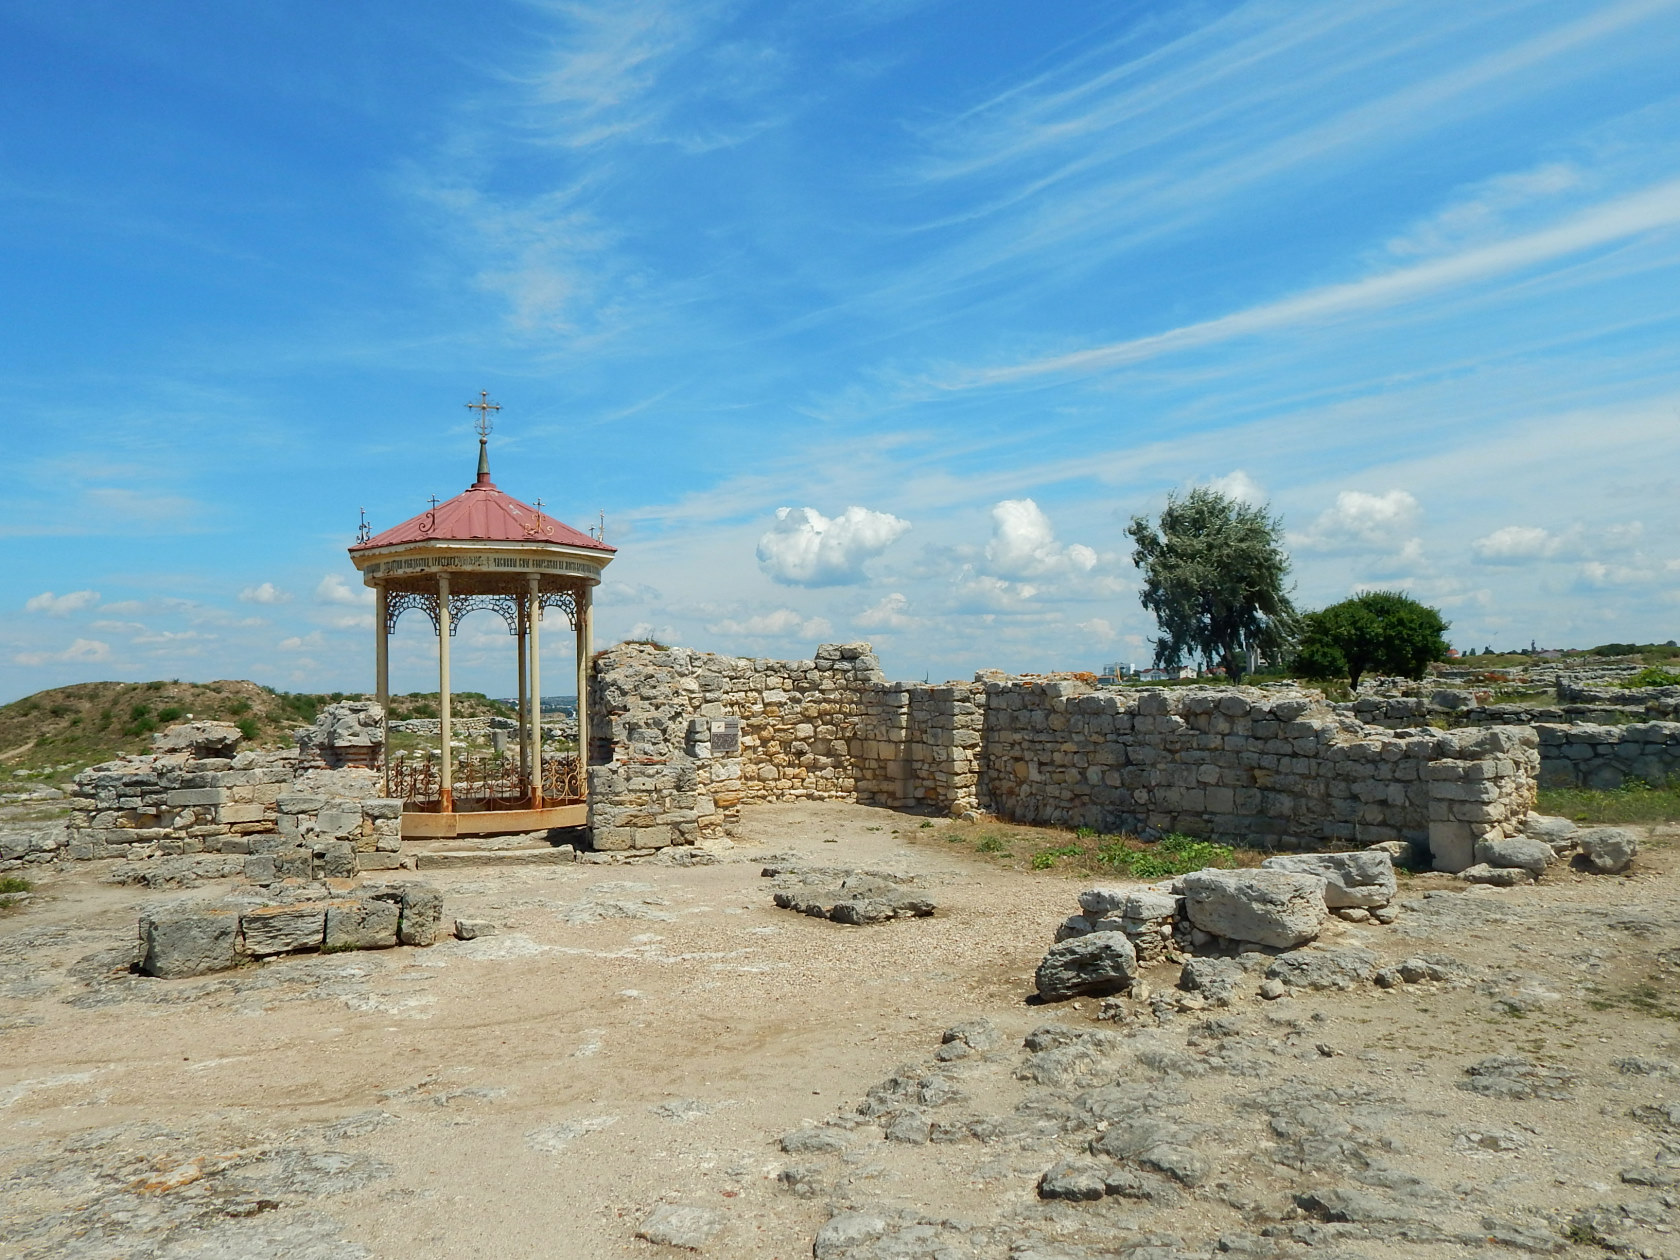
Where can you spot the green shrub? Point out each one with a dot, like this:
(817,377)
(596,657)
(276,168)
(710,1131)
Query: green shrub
(12,884)
(247,727)
(991,844)
(1653,676)
(1172,854)
(1044,859)
(171,713)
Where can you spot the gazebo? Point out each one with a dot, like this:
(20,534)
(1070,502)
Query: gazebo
(484,549)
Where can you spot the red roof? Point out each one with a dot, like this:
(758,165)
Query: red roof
(482,513)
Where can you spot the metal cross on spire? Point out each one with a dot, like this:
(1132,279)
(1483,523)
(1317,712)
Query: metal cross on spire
(484,407)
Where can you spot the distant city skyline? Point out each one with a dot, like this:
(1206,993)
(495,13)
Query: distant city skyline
(866,321)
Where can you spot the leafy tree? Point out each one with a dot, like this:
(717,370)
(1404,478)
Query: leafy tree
(1386,631)
(1213,575)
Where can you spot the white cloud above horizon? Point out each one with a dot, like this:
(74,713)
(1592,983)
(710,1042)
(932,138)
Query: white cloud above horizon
(806,548)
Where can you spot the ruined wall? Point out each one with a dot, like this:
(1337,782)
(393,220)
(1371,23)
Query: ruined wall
(1236,764)
(1250,766)
(1608,756)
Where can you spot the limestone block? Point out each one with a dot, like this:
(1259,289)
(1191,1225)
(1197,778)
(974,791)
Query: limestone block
(422,915)
(283,929)
(1363,878)
(197,796)
(1268,907)
(235,812)
(1521,852)
(1607,850)
(259,868)
(177,944)
(1452,845)
(1082,964)
(361,923)
(339,819)
(338,859)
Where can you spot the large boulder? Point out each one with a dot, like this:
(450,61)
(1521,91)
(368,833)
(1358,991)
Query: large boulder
(1365,878)
(179,943)
(360,923)
(1607,850)
(1084,964)
(1268,907)
(1521,852)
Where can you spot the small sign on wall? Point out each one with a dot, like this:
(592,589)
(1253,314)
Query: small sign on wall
(726,735)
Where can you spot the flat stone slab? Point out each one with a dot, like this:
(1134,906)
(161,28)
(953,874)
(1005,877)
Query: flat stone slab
(184,943)
(493,857)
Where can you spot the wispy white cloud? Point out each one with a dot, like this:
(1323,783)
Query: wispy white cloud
(1649,210)
(1362,521)
(80,650)
(779,624)
(60,605)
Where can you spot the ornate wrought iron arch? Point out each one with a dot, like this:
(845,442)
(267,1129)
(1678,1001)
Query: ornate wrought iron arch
(399,602)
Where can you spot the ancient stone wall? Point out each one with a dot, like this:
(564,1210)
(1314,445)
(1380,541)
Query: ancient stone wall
(1606,757)
(1240,765)
(681,738)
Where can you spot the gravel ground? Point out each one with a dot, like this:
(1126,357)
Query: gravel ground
(655,1048)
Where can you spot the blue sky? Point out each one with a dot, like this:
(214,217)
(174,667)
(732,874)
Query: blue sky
(858,320)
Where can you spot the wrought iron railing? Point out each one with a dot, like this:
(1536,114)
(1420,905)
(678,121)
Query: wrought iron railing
(488,782)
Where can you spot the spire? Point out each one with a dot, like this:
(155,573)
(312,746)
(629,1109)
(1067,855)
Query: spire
(484,407)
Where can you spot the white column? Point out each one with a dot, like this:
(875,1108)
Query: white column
(446,772)
(534,599)
(382,677)
(585,649)
(524,700)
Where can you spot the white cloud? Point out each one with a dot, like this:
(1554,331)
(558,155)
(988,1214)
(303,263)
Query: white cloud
(333,589)
(266,593)
(1485,211)
(1098,630)
(783,623)
(1238,485)
(889,614)
(648,630)
(1023,544)
(80,650)
(61,605)
(302,643)
(1516,543)
(1361,521)
(1648,210)
(806,548)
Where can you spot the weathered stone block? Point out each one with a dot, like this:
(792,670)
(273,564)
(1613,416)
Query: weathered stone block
(1363,878)
(1268,907)
(197,796)
(283,929)
(1083,964)
(176,944)
(238,812)
(422,915)
(361,923)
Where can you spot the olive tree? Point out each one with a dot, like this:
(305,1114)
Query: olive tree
(1213,574)
(1386,631)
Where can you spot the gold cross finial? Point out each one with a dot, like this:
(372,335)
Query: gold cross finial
(484,407)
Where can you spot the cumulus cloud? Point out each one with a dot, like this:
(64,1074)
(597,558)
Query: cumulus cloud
(1098,630)
(1515,544)
(333,589)
(648,630)
(1023,544)
(1362,522)
(80,650)
(1238,485)
(806,548)
(301,643)
(266,593)
(782,623)
(889,614)
(60,605)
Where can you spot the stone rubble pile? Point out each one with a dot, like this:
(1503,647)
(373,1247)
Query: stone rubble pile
(1210,920)
(848,896)
(1543,842)
(194,941)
